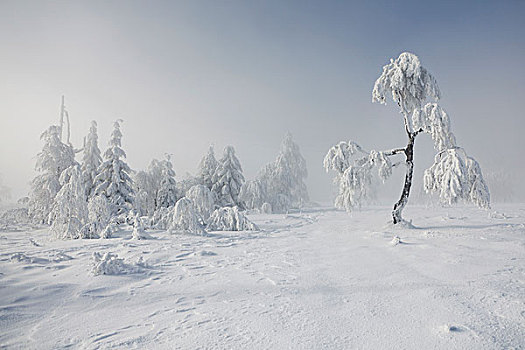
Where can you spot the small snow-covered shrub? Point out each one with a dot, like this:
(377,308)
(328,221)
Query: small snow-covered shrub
(230,219)
(110,264)
(203,200)
(138,229)
(266,208)
(185,218)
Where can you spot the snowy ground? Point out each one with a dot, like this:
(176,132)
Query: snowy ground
(320,279)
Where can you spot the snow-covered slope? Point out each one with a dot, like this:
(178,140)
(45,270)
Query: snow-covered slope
(317,279)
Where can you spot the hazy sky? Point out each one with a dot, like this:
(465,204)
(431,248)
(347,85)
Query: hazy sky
(184,74)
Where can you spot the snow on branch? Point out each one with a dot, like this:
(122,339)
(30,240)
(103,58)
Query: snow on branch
(455,176)
(433,120)
(407,82)
(354,172)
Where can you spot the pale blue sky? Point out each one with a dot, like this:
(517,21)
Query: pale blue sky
(184,74)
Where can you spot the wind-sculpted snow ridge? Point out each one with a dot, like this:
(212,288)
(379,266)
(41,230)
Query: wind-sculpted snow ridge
(230,219)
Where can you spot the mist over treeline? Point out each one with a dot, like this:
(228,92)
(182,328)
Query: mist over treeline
(184,75)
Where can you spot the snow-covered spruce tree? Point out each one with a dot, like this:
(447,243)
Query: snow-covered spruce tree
(283,180)
(207,167)
(69,213)
(91,159)
(143,202)
(155,188)
(113,180)
(253,194)
(203,200)
(454,175)
(228,179)
(290,172)
(185,218)
(55,157)
(167,194)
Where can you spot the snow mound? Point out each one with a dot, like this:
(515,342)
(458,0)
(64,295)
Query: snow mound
(395,241)
(230,219)
(110,264)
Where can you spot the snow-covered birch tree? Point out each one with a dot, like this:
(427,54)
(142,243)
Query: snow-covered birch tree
(454,175)
(228,179)
(91,159)
(54,158)
(113,180)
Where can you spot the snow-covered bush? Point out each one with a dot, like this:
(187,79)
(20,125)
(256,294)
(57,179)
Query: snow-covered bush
(51,162)
(138,229)
(228,179)
(230,219)
(69,213)
(266,208)
(454,175)
(113,180)
(203,200)
(110,264)
(185,218)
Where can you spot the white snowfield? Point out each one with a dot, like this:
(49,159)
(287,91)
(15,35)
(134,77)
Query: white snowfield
(320,279)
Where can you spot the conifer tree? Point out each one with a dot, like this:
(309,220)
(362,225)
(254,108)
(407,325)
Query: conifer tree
(91,159)
(228,179)
(113,180)
(54,158)
(207,168)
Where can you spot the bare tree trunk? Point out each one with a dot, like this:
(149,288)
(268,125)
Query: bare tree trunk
(409,153)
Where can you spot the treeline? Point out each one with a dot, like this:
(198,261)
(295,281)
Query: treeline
(91,197)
